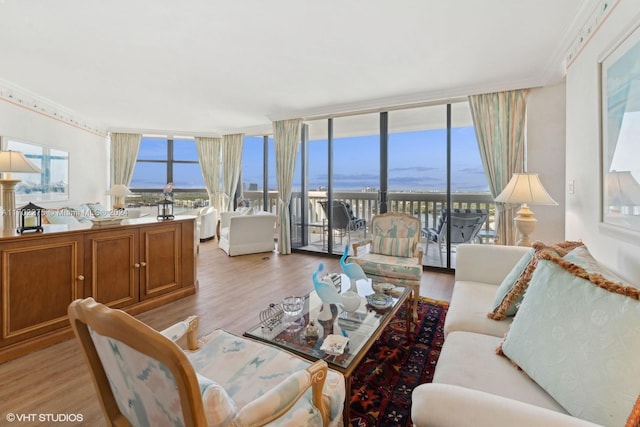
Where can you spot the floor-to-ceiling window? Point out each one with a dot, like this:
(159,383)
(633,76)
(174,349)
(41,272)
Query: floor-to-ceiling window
(418,168)
(430,167)
(163,160)
(309,224)
(423,161)
(356,177)
(435,170)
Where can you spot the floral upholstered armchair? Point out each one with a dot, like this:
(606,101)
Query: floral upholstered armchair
(143,377)
(393,253)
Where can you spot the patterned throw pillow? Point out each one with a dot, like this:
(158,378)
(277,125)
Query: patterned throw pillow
(393,246)
(576,336)
(509,282)
(512,298)
(582,257)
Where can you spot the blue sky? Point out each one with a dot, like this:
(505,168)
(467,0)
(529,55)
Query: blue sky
(417,162)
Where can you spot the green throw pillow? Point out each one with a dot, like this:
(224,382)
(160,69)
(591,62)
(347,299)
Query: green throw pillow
(577,336)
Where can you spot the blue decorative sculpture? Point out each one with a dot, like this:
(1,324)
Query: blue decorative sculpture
(326,291)
(352,270)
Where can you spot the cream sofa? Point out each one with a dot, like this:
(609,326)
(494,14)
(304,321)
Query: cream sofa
(247,233)
(473,385)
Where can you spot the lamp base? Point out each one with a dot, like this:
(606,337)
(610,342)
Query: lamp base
(9,202)
(525,224)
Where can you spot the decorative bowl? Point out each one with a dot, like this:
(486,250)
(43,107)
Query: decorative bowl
(379,301)
(382,288)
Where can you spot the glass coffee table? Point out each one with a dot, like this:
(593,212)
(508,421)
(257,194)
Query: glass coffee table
(362,327)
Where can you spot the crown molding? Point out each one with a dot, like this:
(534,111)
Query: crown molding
(21,97)
(264,129)
(592,22)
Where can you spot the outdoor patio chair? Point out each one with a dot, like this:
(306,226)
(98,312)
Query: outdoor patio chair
(465,225)
(143,377)
(344,222)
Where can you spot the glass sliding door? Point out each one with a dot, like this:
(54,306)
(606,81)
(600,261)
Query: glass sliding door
(252,176)
(310,222)
(417,161)
(356,178)
(422,161)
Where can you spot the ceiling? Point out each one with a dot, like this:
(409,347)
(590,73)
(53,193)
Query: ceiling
(209,67)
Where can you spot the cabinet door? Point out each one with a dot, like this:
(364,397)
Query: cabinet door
(112,268)
(40,278)
(160,251)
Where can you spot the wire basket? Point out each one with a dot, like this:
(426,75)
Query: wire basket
(272,316)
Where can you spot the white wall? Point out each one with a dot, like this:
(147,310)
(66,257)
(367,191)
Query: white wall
(618,251)
(87,151)
(546,156)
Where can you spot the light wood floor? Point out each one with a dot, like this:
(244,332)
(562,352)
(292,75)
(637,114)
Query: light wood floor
(232,291)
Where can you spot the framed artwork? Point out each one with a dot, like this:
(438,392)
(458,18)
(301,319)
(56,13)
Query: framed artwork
(52,184)
(620,100)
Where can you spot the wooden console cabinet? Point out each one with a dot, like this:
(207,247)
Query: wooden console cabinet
(136,266)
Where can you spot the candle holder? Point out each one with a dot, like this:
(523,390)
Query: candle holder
(30,219)
(165,209)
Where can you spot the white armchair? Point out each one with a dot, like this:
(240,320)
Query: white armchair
(242,234)
(207,221)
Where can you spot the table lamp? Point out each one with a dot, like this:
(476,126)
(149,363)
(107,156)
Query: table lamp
(12,161)
(120,191)
(623,193)
(525,188)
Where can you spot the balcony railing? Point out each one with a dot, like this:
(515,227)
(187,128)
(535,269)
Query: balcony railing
(428,206)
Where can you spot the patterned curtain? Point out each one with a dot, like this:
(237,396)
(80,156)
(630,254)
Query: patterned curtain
(286,137)
(500,122)
(124,153)
(209,159)
(231,161)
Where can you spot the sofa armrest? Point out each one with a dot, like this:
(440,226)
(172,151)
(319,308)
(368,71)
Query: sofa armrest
(437,405)
(486,263)
(225,218)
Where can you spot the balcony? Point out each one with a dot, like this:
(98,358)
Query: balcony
(312,234)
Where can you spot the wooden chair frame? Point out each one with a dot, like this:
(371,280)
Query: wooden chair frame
(118,325)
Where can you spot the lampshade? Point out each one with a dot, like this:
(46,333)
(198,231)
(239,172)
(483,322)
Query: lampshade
(15,161)
(622,189)
(119,190)
(12,161)
(525,188)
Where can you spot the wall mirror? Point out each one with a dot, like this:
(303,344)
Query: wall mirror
(52,184)
(620,71)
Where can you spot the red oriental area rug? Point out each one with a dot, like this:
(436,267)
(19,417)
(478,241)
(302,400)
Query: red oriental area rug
(381,385)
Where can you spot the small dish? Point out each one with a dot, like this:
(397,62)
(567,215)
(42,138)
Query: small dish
(334,344)
(383,288)
(379,301)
